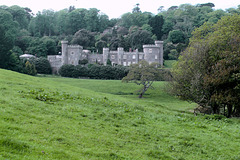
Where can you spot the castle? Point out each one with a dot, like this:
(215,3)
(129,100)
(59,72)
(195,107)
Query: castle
(71,54)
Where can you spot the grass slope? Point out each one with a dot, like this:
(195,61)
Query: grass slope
(61,118)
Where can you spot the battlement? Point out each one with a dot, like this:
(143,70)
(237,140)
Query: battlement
(64,42)
(106,49)
(75,47)
(120,49)
(158,42)
(150,46)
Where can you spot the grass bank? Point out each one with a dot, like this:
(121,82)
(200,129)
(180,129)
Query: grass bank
(62,118)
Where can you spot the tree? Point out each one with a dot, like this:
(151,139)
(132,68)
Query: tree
(30,69)
(156,23)
(207,72)
(21,15)
(140,37)
(136,9)
(143,74)
(42,47)
(8,32)
(84,38)
(176,36)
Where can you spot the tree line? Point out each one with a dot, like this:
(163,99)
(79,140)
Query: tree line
(22,32)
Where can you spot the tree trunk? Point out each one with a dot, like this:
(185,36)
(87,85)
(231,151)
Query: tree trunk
(229,107)
(143,91)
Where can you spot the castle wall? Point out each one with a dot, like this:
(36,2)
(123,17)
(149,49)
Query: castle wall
(93,58)
(71,54)
(55,62)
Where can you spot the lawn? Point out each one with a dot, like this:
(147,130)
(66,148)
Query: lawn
(62,118)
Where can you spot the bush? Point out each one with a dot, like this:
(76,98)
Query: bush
(94,71)
(30,69)
(67,70)
(42,65)
(81,71)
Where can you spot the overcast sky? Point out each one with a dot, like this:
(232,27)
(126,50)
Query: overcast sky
(114,8)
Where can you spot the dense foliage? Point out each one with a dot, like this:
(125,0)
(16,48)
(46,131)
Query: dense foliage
(42,65)
(208,71)
(94,71)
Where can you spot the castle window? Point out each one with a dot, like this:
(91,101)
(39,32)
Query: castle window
(113,57)
(72,52)
(124,56)
(156,57)
(134,56)
(150,50)
(140,57)
(133,62)
(124,63)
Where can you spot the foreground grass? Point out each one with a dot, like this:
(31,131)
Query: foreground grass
(62,118)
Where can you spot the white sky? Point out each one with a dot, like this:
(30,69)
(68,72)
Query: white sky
(114,8)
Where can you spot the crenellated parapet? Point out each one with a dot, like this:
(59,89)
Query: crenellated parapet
(75,47)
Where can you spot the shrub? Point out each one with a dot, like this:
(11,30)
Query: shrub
(94,71)
(67,70)
(30,69)
(82,71)
(42,65)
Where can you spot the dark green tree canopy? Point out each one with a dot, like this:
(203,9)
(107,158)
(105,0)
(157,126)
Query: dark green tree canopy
(208,71)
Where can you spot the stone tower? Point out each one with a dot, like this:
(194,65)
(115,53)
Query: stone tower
(120,55)
(64,52)
(154,53)
(160,44)
(105,55)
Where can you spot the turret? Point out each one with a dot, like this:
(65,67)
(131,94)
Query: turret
(154,53)
(160,44)
(120,55)
(64,52)
(105,55)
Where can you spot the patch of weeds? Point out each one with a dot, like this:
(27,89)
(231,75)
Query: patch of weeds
(14,145)
(215,117)
(158,154)
(46,96)
(123,93)
(115,156)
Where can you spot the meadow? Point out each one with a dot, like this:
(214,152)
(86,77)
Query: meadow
(49,117)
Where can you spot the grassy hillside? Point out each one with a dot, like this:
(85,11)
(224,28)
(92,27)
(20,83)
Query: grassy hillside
(61,118)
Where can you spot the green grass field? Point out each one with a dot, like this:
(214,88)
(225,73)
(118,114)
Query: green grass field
(62,118)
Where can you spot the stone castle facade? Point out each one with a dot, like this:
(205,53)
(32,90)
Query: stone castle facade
(71,54)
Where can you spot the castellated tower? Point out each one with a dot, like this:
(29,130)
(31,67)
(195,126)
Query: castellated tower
(71,53)
(154,53)
(160,44)
(120,55)
(105,55)
(64,52)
